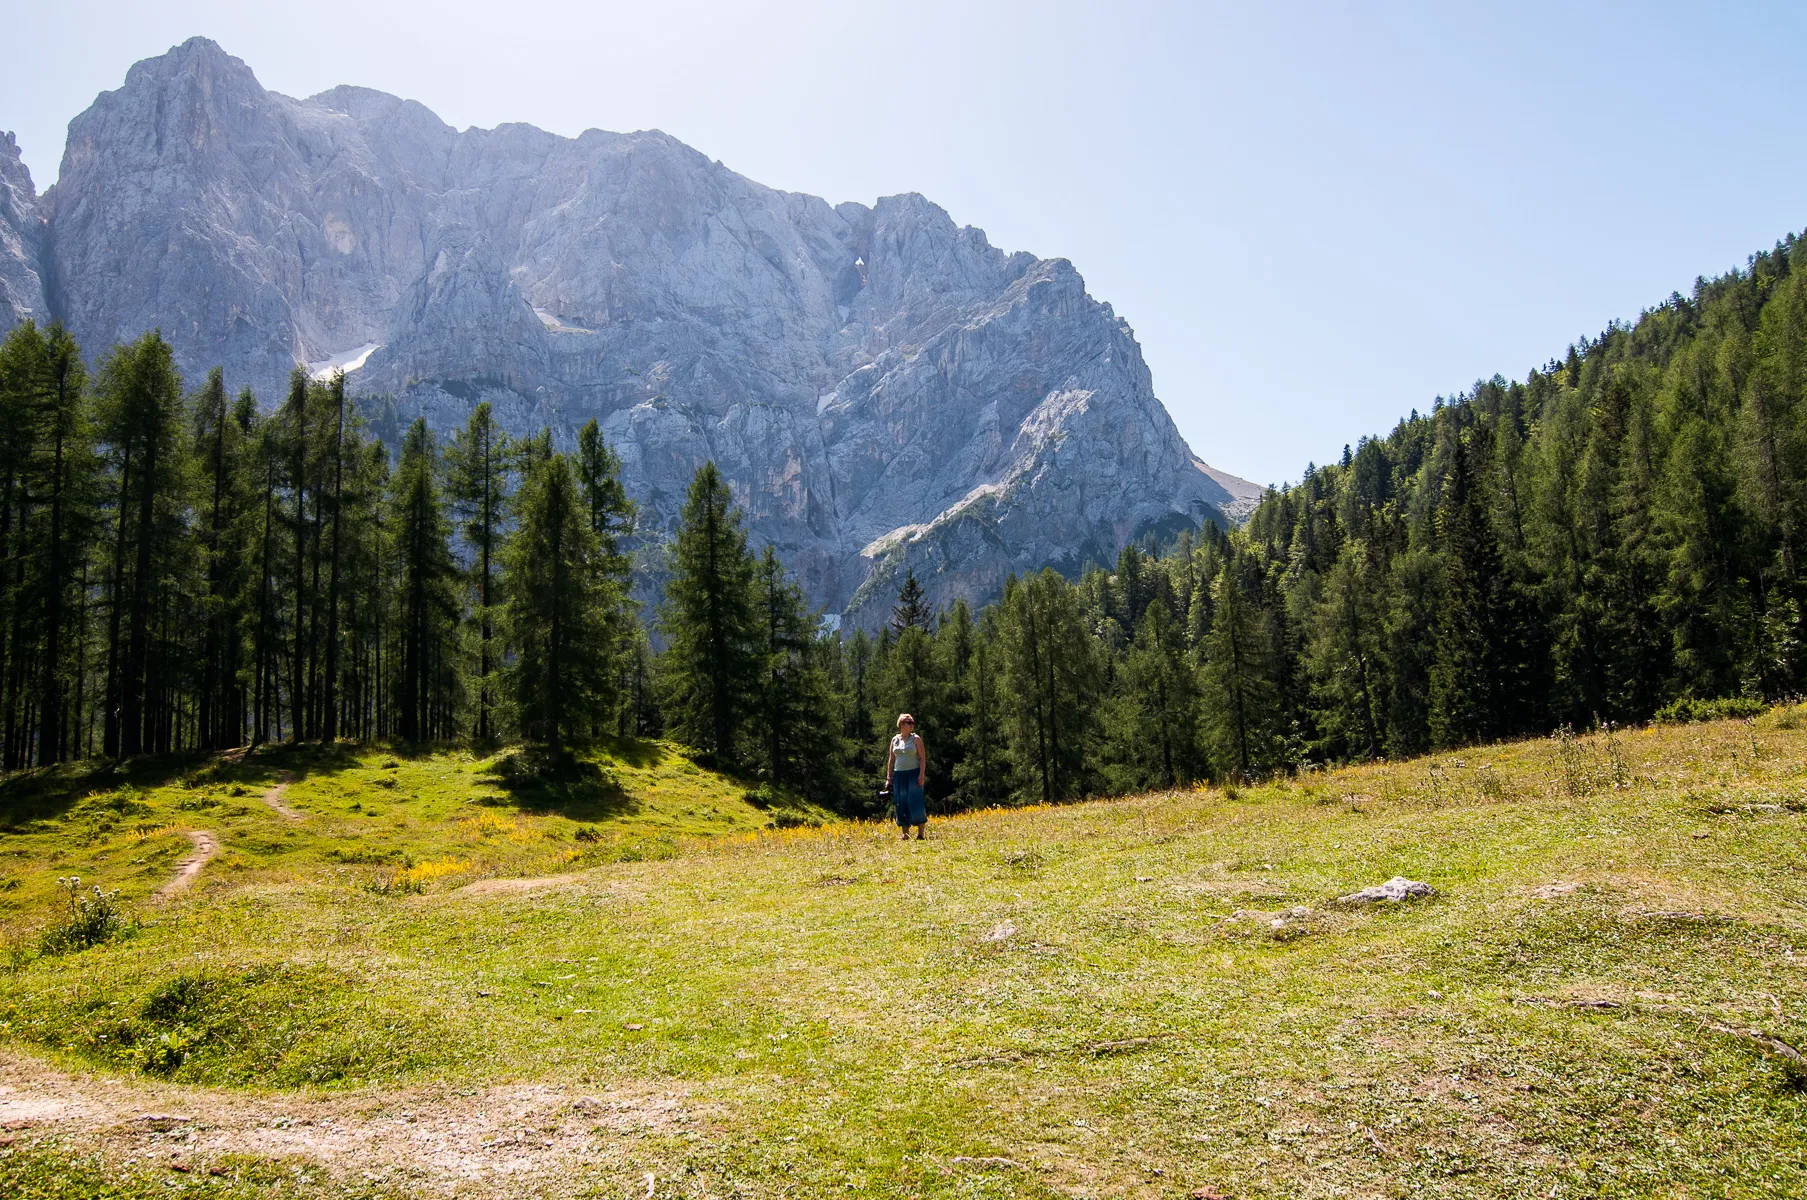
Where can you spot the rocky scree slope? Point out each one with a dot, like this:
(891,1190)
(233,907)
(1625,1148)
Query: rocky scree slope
(884,390)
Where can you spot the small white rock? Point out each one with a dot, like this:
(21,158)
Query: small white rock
(1393,890)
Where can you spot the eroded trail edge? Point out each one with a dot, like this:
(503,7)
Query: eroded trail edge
(274,796)
(205,847)
(483,1142)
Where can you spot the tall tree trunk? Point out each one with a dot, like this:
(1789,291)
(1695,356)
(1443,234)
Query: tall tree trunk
(134,697)
(50,703)
(330,730)
(297,698)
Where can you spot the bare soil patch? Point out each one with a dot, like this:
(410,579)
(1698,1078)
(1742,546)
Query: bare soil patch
(205,847)
(488,1141)
(274,796)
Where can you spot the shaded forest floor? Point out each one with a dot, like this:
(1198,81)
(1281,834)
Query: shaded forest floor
(1155,996)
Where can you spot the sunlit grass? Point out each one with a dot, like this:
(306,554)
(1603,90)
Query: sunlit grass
(1143,996)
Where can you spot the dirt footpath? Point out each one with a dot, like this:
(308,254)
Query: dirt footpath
(513,1140)
(205,847)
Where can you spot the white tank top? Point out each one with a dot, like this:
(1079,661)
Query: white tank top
(903,751)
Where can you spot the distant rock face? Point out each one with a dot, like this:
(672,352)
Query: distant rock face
(21,238)
(883,389)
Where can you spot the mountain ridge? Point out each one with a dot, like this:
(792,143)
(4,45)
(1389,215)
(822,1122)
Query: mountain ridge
(884,389)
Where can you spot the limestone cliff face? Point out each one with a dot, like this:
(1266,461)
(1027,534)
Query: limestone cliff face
(884,389)
(21,241)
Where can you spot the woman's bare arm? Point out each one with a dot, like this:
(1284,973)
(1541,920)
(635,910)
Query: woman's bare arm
(922,762)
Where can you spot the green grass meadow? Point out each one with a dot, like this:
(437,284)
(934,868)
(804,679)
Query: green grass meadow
(1153,996)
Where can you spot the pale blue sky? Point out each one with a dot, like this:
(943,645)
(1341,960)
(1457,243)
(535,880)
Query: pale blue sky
(1317,216)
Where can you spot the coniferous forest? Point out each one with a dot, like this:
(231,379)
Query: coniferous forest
(1615,535)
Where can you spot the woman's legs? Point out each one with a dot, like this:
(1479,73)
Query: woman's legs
(900,803)
(911,805)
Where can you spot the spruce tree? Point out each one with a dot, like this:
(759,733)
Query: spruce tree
(985,771)
(712,661)
(910,681)
(1161,716)
(140,411)
(425,687)
(795,726)
(477,483)
(1242,701)
(563,611)
(953,652)
(912,609)
(219,443)
(1474,673)
(1050,686)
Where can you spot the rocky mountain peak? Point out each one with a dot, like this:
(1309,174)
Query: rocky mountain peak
(21,240)
(884,388)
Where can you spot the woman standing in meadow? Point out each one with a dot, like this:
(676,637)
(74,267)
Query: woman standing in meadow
(907,767)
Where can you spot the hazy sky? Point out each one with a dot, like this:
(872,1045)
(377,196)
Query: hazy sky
(1316,216)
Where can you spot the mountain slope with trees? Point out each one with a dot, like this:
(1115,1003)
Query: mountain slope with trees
(1615,536)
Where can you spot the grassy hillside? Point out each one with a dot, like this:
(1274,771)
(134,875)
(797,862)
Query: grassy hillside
(366,817)
(1156,996)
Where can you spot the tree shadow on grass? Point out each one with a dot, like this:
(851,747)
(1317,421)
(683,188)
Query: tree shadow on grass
(46,793)
(539,782)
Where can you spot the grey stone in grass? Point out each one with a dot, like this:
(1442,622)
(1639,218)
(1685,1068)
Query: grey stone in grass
(1392,891)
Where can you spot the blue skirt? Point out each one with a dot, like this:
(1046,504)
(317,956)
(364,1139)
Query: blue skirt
(906,796)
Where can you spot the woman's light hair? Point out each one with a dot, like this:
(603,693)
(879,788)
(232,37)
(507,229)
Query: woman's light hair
(903,717)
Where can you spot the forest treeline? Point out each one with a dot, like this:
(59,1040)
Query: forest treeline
(1614,534)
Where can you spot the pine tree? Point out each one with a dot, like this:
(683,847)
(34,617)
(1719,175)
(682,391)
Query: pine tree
(140,406)
(612,514)
(1162,694)
(912,609)
(220,438)
(1476,673)
(1347,655)
(712,660)
(985,770)
(563,611)
(953,652)
(1050,686)
(857,726)
(799,746)
(1242,701)
(477,483)
(910,680)
(266,704)
(330,700)
(612,519)
(46,527)
(427,604)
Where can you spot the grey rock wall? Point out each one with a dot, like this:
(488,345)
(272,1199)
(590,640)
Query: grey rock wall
(21,241)
(884,389)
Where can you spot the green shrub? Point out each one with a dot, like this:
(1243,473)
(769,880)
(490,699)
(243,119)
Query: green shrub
(1688,709)
(92,917)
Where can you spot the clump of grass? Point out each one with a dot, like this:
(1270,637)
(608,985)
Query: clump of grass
(90,918)
(394,883)
(1583,768)
(653,849)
